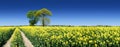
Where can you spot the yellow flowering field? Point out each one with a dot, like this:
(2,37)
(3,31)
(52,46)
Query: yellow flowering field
(73,36)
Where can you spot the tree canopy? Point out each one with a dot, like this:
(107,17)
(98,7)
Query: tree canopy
(41,14)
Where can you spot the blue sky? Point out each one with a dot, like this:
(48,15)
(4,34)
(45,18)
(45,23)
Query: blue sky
(65,12)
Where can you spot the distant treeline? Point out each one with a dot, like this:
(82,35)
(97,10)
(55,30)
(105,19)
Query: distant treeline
(63,26)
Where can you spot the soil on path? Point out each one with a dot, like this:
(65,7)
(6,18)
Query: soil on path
(8,43)
(26,41)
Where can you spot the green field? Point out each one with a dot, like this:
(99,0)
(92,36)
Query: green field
(62,36)
(5,34)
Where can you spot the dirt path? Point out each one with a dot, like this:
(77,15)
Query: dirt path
(8,43)
(26,41)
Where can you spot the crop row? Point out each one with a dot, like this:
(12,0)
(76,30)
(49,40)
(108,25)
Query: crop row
(16,39)
(11,34)
(73,36)
(5,34)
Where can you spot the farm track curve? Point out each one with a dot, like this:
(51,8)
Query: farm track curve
(26,41)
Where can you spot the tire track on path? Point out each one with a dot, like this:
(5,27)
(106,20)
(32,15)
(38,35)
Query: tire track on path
(8,43)
(26,41)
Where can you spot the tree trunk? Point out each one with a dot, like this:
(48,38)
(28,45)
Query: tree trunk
(43,21)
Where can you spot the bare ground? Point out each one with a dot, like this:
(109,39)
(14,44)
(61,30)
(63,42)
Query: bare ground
(26,41)
(7,44)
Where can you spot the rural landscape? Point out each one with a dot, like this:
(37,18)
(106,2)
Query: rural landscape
(59,23)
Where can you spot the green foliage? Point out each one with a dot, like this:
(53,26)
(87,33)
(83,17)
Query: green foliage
(43,13)
(47,21)
(5,34)
(16,39)
(34,21)
(32,18)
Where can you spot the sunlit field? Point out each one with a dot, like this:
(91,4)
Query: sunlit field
(63,36)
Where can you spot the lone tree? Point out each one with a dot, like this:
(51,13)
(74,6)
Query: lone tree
(43,15)
(32,18)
